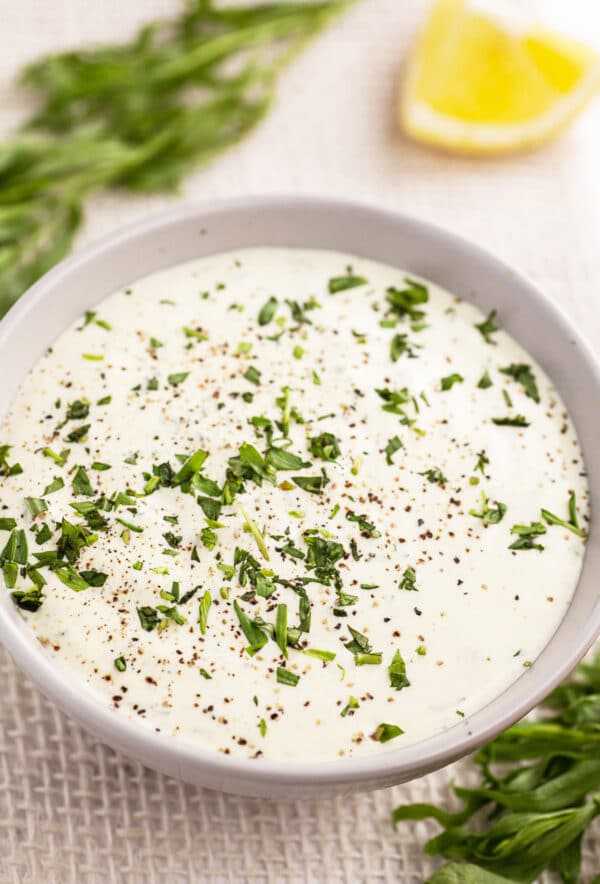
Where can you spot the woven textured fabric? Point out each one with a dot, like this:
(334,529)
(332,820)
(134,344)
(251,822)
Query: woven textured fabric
(72,810)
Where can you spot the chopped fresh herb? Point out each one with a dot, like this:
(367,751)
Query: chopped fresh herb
(208,538)
(267,311)
(79,434)
(7,523)
(368,659)
(312,484)
(106,400)
(488,327)
(343,283)
(526,534)
(130,526)
(284,676)
(31,600)
(281,629)
(254,634)
(489,515)
(36,505)
(282,459)
(451,379)
(523,375)
(366,528)
(326,656)
(94,578)
(298,352)
(359,643)
(42,534)
(252,375)
(518,421)
(572,523)
(394,445)
(406,302)
(71,578)
(203,610)
(434,475)
(152,384)
(482,462)
(81,483)
(326,446)
(400,345)
(409,581)
(386,732)
(93,357)
(485,381)
(149,618)
(177,378)
(101,467)
(120,664)
(350,706)
(59,459)
(205,674)
(397,672)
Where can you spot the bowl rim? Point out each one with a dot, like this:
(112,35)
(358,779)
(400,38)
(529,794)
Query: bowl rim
(140,741)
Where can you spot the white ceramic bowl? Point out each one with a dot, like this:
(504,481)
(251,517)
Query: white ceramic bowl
(196,230)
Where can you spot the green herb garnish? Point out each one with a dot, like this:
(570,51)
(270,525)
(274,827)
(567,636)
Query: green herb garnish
(394,445)
(449,381)
(284,676)
(524,376)
(343,283)
(386,732)
(526,534)
(488,327)
(518,421)
(326,446)
(203,610)
(572,523)
(487,514)
(409,581)
(397,672)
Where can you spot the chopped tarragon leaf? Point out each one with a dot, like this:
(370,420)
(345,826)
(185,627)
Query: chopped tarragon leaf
(77,411)
(106,400)
(350,706)
(208,538)
(282,459)
(262,726)
(385,732)
(482,462)
(7,523)
(298,352)
(572,524)
(7,469)
(523,375)
(343,283)
(149,617)
(36,505)
(367,529)
(488,327)
(177,378)
(316,379)
(485,381)
(152,384)
(94,578)
(120,664)
(81,483)
(203,610)
(59,459)
(361,648)
(15,553)
(30,600)
(42,533)
(256,637)
(93,357)
(326,656)
(409,581)
(130,526)
(79,434)
(196,333)
(394,445)
(101,467)
(407,301)
(252,375)
(397,672)
(518,421)
(267,311)
(394,400)
(526,534)
(325,445)
(489,515)
(312,484)
(155,343)
(284,676)
(281,629)
(400,345)
(71,578)
(205,674)
(434,475)
(449,381)
(257,534)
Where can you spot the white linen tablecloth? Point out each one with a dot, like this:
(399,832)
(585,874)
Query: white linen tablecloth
(72,810)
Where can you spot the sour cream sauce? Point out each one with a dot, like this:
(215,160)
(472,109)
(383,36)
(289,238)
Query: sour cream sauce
(399,526)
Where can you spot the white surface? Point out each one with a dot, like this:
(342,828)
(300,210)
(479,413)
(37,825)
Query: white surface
(71,810)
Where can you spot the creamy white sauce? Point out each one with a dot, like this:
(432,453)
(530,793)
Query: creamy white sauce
(482,611)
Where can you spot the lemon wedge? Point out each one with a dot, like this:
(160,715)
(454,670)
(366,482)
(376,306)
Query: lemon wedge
(481,82)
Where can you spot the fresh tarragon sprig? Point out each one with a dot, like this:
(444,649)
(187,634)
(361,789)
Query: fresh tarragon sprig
(530,813)
(138,116)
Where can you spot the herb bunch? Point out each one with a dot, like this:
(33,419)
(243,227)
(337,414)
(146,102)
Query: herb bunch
(138,116)
(539,792)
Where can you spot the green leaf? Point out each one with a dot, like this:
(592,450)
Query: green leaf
(488,327)
(203,610)
(267,311)
(466,873)
(81,483)
(386,732)
(451,379)
(523,375)
(284,676)
(254,634)
(281,629)
(343,283)
(177,378)
(326,446)
(397,672)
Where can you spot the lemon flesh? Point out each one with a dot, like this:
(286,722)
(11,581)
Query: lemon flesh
(476,85)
